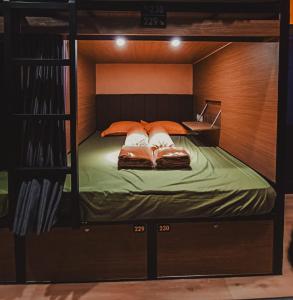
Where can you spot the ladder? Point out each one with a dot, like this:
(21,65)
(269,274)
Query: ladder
(12,11)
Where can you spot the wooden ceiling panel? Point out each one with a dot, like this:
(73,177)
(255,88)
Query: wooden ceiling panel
(179,23)
(147,51)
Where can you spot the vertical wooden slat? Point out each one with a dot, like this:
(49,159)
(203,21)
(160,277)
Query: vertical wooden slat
(87,121)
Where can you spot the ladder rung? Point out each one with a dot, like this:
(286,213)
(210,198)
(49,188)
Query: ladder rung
(39,5)
(41,62)
(49,170)
(43,117)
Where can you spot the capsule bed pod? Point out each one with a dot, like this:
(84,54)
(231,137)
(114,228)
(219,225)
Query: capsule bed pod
(215,64)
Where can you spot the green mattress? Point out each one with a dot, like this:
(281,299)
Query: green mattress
(218,185)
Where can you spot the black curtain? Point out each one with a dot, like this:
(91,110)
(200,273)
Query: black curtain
(42,142)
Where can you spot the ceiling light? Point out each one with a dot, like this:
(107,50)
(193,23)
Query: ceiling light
(120,41)
(176,42)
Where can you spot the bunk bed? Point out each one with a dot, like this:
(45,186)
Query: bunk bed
(167,242)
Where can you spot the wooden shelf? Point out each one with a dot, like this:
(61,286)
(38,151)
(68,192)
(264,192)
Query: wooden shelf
(199,126)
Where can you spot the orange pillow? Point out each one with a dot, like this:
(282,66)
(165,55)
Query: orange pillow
(121,128)
(170,126)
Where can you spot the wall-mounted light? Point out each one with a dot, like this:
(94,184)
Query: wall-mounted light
(120,41)
(175,42)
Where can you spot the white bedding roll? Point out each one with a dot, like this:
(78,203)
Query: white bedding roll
(137,137)
(159,137)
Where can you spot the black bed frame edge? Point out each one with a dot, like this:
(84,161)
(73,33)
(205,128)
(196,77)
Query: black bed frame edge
(281,136)
(277,215)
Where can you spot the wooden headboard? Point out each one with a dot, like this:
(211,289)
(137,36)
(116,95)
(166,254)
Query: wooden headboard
(112,108)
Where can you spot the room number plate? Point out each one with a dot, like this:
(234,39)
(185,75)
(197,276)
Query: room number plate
(164,228)
(154,15)
(139,228)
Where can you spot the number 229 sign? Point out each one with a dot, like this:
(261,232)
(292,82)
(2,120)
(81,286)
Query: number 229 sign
(153,15)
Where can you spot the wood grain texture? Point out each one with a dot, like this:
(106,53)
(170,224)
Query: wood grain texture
(113,108)
(199,23)
(87,254)
(144,79)
(178,24)
(147,51)
(219,248)
(244,77)
(86,76)
(7,259)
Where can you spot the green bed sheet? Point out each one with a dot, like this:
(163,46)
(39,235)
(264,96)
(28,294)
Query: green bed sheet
(218,185)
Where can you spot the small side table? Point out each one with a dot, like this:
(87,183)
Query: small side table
(198,127)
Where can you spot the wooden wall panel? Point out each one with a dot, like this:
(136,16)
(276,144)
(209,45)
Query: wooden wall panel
(86,85)
(144,79)
(244,77)
(112,108)
(86,97)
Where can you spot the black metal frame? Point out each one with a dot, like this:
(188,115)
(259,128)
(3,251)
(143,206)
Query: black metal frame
(253,6)
(11,22)
(257,6)
(281,136)
(251,39)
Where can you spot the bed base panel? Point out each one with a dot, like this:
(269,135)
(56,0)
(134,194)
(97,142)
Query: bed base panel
(7,257)
(151,251)
(215,248)
(86,254)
